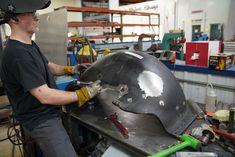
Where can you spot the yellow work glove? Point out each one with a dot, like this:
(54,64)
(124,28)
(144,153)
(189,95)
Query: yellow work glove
(106,52)
(86,93)
(71,70)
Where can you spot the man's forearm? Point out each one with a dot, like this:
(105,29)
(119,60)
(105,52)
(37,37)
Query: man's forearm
(53,96)
(58,97)
(56,69)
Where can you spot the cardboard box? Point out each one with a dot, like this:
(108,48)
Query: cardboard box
(220,61)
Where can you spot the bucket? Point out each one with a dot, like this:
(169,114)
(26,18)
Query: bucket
(211,98)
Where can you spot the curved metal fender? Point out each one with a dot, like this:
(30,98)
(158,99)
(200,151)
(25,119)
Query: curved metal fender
(152,88)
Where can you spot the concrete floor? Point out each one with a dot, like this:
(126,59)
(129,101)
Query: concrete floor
(6,147)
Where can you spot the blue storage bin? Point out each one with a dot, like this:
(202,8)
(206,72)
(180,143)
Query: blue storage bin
(63,81)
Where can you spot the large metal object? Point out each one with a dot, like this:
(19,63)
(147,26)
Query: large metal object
(53,44)
(139,46)
(172,41)
(150,88)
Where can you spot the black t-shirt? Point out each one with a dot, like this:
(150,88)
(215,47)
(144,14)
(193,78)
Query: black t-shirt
(23,68)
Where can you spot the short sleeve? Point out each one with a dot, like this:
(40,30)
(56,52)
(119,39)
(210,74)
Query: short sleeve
(28,74)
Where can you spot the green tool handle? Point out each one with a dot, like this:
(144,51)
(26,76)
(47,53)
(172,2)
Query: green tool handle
(171,150)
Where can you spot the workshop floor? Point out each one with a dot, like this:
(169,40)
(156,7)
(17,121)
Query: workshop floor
(6,147)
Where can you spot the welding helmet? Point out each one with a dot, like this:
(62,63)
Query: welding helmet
(10,8)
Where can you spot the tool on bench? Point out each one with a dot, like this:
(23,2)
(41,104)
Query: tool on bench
(224,134)
(187,141)
(84,83)
(196,154)
(204,134)
(196,109)
(231,121)
(122,129)
(226,146)
(207,134)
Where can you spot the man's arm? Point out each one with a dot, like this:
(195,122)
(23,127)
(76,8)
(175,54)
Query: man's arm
(59,70)
(56,69)
(51,96)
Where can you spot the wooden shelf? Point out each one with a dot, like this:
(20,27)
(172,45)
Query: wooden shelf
(105,11)
(106,36)
(80,24)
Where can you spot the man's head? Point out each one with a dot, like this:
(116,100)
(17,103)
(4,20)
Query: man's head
(21,15)
(10,9)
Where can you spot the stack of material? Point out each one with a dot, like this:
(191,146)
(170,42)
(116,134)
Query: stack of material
(229,47)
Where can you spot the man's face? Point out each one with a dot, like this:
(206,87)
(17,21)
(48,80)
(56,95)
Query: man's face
(28,22)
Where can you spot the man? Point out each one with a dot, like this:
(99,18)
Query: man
(27,77)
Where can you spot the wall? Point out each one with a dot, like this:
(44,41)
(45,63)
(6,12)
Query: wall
(194,86)
(181,16)
(208,12)
(166,9)
(59,3)
(231,22)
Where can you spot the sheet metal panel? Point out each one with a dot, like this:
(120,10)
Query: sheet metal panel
(52,36)
(152,89)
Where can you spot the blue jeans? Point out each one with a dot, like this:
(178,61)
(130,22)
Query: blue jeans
(52,139)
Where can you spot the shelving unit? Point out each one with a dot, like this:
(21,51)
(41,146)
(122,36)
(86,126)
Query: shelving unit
(112,24)
(61,21)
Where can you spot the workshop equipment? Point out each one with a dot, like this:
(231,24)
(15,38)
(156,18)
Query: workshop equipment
(199,36)
(207,134)
(203,133)
(224,134)
(139,46)
(197,53)
(86,54)
(106,52)
(196,154)
(81,83)
(221,115)
(211,98)
(149,82)
(122,129)
(165,55)
(187,141)
(173,41)
(196,109)
(226,146)
(220,61)
(231,121)
(153,92)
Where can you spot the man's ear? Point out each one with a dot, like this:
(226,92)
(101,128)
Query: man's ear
(15,19)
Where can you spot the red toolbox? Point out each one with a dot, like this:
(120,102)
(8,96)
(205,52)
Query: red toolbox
(197,53)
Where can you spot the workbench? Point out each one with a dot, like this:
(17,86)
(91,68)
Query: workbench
(180,66)
(146,135)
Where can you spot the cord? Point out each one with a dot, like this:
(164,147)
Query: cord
(15,136)
(75,53)
(4,139)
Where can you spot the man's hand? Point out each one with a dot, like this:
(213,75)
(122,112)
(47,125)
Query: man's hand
(86,93)
(77,69)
